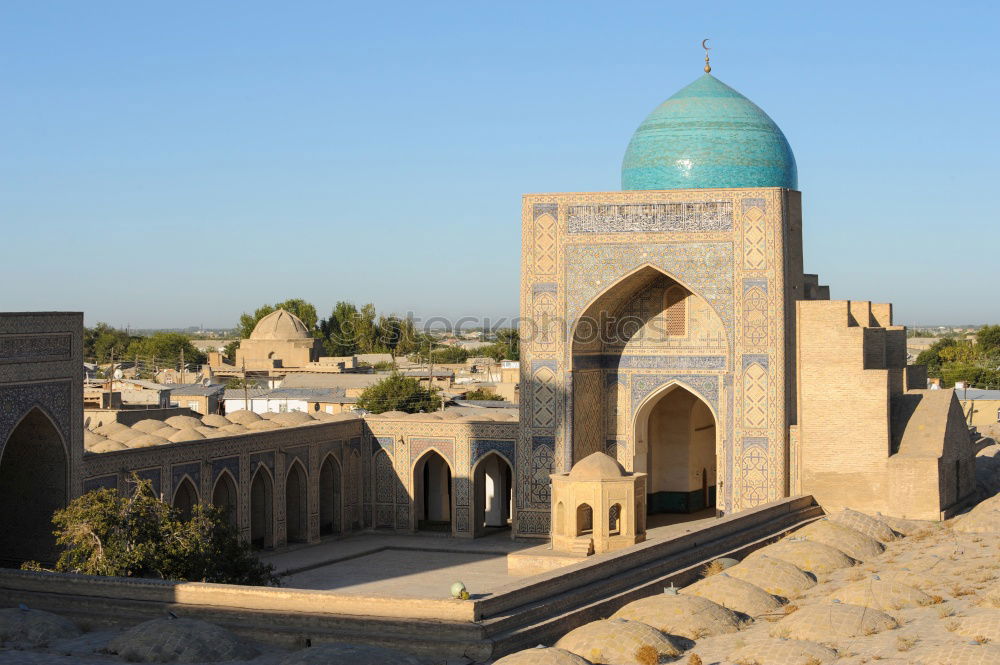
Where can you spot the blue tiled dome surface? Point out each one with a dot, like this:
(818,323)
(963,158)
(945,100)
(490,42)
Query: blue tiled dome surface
(708,135)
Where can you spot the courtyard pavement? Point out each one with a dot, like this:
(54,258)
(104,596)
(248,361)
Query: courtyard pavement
(398,565)
(424,565)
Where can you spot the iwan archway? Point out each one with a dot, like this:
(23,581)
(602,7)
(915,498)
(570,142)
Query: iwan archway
(676,445)
(649,360)
(34,483)
(432,493)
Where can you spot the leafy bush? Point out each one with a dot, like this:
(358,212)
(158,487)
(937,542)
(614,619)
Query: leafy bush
(482,394)
(105,532)
(398,393)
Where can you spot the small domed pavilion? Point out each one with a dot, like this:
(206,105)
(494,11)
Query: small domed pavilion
(598,506)
(280,339)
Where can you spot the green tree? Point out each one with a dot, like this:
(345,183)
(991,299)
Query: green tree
(450,355)
(482,394)
(238,383)
(988,339)
(102,340)
(164,349)
(366,331)
(137,535)
(932,356)
(506,347)
(337,331)
(399,393)
(229,352)
(296,306)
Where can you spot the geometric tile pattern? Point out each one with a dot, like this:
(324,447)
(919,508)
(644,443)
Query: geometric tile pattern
(620,252)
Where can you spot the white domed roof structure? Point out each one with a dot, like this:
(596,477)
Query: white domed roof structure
(280,324)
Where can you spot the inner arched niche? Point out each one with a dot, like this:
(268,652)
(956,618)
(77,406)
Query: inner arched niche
(634,327)
(34,483)
(676,446)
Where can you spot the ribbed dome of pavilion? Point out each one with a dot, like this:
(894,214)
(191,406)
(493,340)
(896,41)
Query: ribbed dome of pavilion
(280,324)
(708,135)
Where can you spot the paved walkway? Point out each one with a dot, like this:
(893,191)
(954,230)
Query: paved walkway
(398,565)
(425,565)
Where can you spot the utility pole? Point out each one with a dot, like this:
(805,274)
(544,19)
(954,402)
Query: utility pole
(182,366)
(430,370)
(111,372)
(246,392)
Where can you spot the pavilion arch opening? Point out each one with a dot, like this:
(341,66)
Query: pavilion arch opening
(492,485)
(34,483)
(262,510)
(647,323)
(675,434)
(185,498)
(330,497)
(432,493)
(584,519)
(296,504)
(224,497)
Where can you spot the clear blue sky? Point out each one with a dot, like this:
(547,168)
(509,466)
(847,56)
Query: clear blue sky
(177,163)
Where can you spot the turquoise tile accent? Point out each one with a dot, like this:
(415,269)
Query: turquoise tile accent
(708,135)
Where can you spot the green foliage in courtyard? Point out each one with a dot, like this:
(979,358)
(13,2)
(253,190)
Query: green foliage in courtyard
(482,394)
(399,393)
(977,362)
(136,534)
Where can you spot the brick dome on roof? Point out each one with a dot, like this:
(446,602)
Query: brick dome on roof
(280,325)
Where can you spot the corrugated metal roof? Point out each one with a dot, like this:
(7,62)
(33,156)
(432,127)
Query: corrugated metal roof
(977,393)
(485,403)
(238,393)
(305,394)
(326,380)
(197,389)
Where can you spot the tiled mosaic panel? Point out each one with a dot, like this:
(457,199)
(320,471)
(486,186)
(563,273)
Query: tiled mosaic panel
(686,217)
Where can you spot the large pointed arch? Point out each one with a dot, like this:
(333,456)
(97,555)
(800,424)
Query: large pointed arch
(296,503)
(433,492)
(34,483)
(492,491)
(678,445)
(262,508)
(225,497)
(185,497)
(648,324)
(609,299)
(331,496)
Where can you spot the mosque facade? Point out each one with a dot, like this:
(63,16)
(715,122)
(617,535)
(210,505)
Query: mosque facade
(659,327)
(669,325)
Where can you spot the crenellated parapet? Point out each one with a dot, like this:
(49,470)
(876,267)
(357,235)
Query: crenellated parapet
(869,435)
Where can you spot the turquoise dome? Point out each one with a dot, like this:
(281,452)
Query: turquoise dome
(708,135)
